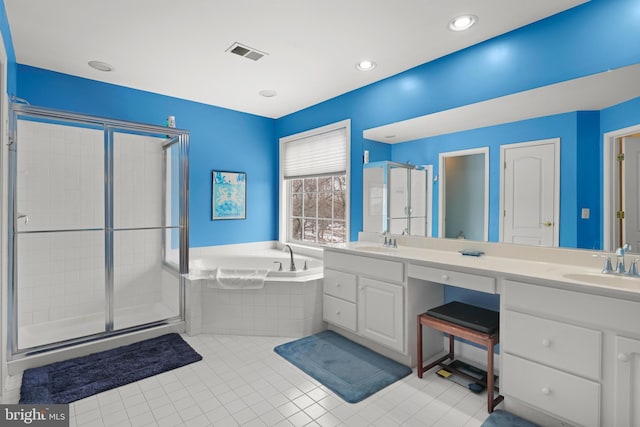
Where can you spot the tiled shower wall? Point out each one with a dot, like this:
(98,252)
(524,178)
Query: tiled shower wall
(60,186)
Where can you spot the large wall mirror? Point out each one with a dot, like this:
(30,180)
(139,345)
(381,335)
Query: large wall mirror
(592,120)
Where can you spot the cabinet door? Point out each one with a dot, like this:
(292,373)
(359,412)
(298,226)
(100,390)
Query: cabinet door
(381,312)
(627,380)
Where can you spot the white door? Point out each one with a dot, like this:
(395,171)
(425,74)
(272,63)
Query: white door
(380,312)
(631,185)
(627,393)
(530,188)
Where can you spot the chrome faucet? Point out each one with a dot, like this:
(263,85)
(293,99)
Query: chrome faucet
(620,267)
(292,266)
(385,234)
(633,269)
(389,242)
(607,268)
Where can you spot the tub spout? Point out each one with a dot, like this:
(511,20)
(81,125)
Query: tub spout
(292,267)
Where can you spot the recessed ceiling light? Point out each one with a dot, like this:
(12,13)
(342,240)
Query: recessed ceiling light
(366,65)
(463,22)
(268,93)
(100,66)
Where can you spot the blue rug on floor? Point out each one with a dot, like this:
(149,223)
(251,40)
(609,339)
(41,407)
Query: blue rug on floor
(75,379)
(350,370)
(500,418)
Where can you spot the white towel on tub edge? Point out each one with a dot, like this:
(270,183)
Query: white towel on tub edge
(238,278)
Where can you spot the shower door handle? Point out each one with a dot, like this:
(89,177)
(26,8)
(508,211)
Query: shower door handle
(25,217)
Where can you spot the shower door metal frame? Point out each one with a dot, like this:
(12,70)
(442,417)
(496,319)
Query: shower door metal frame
(109,128)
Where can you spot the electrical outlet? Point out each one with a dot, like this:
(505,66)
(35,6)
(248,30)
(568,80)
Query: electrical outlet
(586,212)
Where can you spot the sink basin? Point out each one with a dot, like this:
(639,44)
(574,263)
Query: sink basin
(603,279)
(374,249)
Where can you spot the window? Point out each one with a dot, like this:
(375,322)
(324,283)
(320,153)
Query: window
(314,182)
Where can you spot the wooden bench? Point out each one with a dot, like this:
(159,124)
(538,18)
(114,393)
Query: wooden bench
(488,340)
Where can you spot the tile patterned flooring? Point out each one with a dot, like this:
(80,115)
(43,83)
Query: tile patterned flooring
(242,382)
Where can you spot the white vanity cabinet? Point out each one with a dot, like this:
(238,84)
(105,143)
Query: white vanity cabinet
(381,312)
(627,381)
(365,295)
(558,354)
(339,299)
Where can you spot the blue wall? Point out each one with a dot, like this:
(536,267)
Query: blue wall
(220,139)
(8,47)
(594,37)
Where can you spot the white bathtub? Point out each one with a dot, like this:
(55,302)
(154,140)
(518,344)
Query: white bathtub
(268,259)
(289,304)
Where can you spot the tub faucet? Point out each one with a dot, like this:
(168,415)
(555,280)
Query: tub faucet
(292,267)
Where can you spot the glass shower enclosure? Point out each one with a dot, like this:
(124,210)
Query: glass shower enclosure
(98,227)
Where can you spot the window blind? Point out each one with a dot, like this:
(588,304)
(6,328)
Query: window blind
(321,154)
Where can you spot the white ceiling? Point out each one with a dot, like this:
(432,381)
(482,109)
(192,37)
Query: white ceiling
(590,93)
(177,48)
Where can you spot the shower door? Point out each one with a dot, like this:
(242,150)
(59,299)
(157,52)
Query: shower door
(59,239)
(145,225)
(97,226)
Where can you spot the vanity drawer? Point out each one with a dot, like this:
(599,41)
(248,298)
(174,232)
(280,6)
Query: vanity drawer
(380,269)
(339,284)
(560,345)
(339,312)
(562,394)
(453,278)
(612,313)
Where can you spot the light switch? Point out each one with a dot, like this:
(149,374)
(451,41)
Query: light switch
(586,213)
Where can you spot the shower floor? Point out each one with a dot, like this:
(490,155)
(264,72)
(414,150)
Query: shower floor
(75,327)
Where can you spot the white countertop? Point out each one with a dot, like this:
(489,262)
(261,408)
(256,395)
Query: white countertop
(571,269)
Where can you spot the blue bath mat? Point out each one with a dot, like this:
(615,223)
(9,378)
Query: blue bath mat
(500,418)
(75,379)
(350,370)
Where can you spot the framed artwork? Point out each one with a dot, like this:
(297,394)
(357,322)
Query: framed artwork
(229,195)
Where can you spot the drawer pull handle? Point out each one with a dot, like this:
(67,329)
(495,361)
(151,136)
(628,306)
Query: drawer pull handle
(445,277)
(546,343)
(546,391)
(623,357)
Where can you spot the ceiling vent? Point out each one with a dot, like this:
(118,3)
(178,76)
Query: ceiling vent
(246,51)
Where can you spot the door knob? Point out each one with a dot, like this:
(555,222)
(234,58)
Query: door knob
(547,223)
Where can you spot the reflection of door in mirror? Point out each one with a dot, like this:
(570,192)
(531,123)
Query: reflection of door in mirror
(621,188)
(629,182)
(530,189)
(463,196)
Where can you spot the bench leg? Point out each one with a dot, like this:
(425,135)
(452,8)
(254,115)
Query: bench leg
(419,341)
(422,369)
(490,379)
(491,402)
